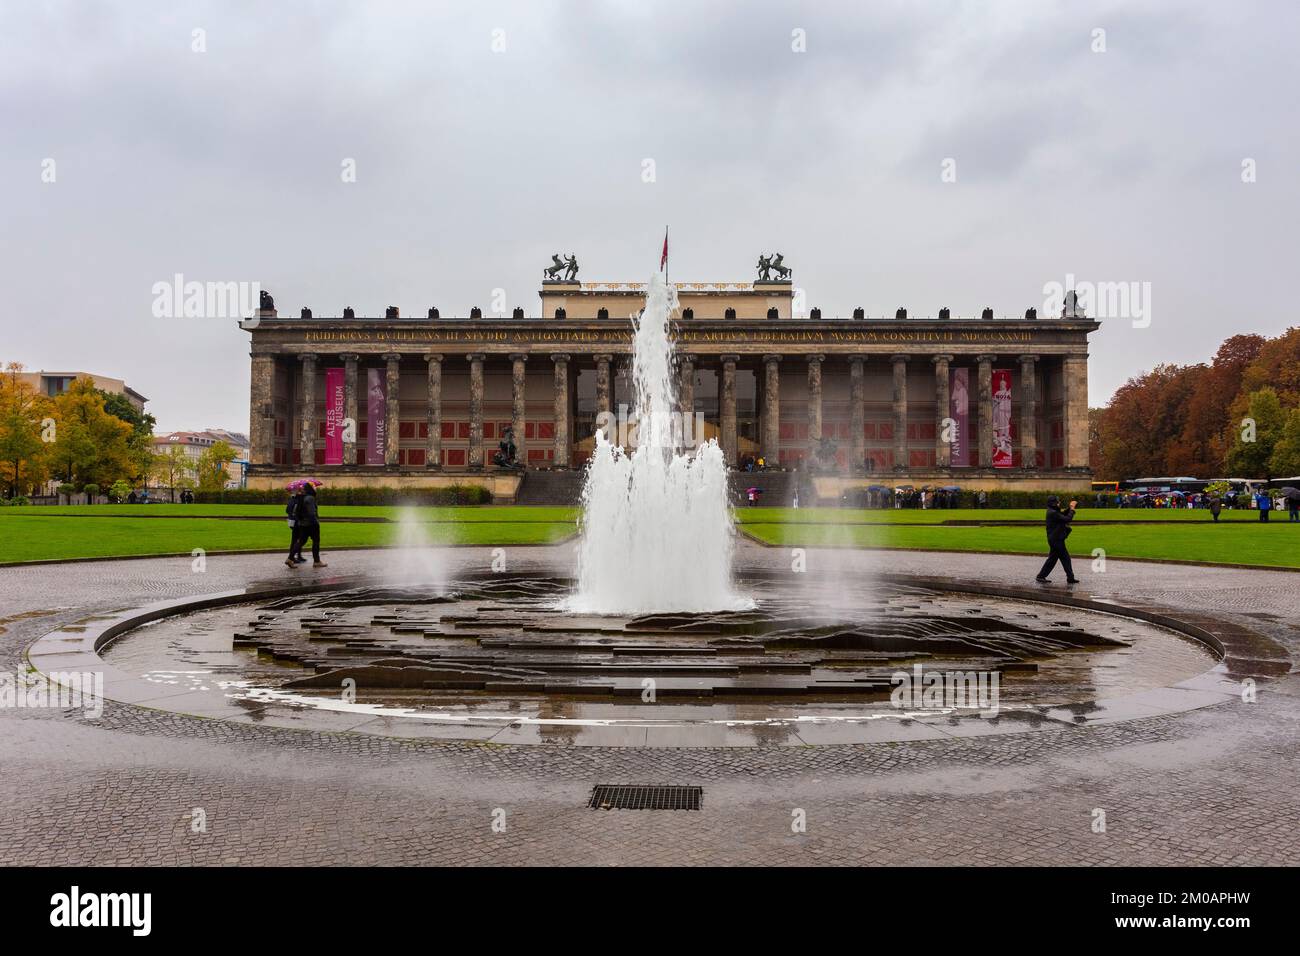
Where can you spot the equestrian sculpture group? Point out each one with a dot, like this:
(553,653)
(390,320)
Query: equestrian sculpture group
(769,264)
(568,266)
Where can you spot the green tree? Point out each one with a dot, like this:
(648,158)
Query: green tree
(1258,434)
(1285,462)
(212,471)
(171,469)
(141,440)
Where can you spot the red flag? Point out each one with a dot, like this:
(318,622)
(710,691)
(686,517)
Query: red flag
(663,260)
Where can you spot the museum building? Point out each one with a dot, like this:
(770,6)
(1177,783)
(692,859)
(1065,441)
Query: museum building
(421,401)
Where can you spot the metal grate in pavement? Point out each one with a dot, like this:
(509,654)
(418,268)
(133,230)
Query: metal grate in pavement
(608,796)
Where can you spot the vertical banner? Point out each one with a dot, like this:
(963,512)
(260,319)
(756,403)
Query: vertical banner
(959,412)
(333,416)
(376,415)
(1002,454)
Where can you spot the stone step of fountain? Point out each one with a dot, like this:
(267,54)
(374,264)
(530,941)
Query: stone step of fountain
(550,488)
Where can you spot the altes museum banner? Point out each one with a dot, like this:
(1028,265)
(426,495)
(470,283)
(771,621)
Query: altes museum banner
(334,416)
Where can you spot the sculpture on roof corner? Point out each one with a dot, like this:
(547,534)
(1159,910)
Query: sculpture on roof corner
(769,264)
(569,268)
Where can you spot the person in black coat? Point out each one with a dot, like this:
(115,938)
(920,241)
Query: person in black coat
(1058,529)
(307,523)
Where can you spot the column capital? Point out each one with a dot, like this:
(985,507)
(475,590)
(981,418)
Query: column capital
(433,356)
(986,357)
(519,356)
(349,356)
(686,358)
(936,359)
(475,357)
(604,356)
(1027,359)
(900,357)
(772,358)
(307,356)
(813,359)
(392,356)
(558,357)
(729,357)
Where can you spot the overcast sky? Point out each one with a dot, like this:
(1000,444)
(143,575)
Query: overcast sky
(474,164)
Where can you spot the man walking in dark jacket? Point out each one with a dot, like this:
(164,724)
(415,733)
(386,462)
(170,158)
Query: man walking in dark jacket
(1058,529)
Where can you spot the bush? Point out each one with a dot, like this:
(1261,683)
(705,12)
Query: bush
(451,495)
(16,502)
(119,491)
(67,489)
(91,490)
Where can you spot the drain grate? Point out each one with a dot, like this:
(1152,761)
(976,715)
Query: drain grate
(609,796)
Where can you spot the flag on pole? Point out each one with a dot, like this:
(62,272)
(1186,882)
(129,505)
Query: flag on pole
(663,260)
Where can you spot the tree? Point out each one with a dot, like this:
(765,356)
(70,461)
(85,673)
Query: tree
(212,466)
(171,469)
(91,446)
(24,421)
(1260,432)
(141,441)
(1285,461)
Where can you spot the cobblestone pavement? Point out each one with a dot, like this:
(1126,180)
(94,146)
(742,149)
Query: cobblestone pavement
(1213,786)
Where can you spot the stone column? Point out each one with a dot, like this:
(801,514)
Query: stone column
(686,399)
(602,381)
(815,399)
(727,408)
(476,410)
(858,412)
(771,446)
(433,413)
(1074,372)
(942,448)
(307,418)
(261,410)
(1028,412)
(350,407)
(561,360)
(984,388)
(393,403)
(900,411)
(518,404)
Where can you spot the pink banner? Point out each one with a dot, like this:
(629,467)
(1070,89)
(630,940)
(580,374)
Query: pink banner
(376,415)
(1002,453)
(334,416)
(959,412)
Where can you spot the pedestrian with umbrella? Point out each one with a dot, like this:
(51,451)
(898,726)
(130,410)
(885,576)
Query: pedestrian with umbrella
(1292,498)
(295,557)
(307,522)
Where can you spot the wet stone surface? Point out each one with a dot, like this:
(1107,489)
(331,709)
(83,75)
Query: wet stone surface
(1209,786)
(503,644)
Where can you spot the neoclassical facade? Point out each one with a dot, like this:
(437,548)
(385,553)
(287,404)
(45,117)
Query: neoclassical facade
(420,401)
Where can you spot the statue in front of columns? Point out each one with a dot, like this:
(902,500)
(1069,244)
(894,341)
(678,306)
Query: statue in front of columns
(823,457)
(507,452)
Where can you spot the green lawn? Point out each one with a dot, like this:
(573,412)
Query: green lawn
(1239,538)
(33,534)
(40,533)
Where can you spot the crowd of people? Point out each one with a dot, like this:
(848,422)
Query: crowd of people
(1264,501)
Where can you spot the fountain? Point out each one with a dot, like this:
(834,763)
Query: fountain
(656,522)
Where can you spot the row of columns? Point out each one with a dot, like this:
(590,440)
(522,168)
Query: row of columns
(1074,379)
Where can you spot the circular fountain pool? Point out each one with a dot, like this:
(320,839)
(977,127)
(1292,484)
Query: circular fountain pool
(500,651)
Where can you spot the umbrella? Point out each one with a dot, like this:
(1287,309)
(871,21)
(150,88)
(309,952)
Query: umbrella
(300,482)
(1289,492)
(950,488)
(877,488)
